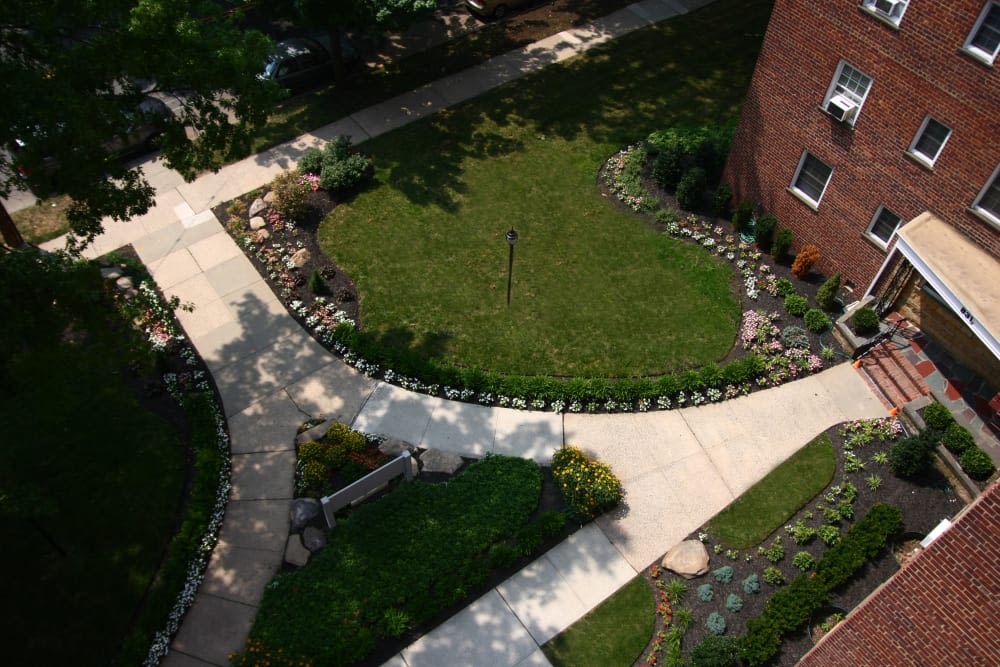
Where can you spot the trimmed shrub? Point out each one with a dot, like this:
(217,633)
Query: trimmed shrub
(796,304)
(316,283)
(291,194)
(910,456)
(715,651)
(804,261)
(668,167)
(865,321)
(827,293)
(816,320)
(793,336)
(742,215)
(734,602)
(720,200)
(938,417)
(957,438)
(691,189)
(977,463)
(763,232)
(344,174)
(716,624)
(751,584)
(705,593)
(785,287)
(724,574)
(311,161)
(782,243)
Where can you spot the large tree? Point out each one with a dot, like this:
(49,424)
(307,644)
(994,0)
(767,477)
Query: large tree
(72,73)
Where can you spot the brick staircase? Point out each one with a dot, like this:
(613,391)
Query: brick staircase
(895,379)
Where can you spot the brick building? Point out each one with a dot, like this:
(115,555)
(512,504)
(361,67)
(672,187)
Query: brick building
(872,130)
(939,609)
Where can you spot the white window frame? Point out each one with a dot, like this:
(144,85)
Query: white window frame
(924,158)
(802,194)
(988,215)
(872,6)
(870,232)
(836,88)
(978,52)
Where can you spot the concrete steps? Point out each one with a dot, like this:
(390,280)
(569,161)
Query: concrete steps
(898,382)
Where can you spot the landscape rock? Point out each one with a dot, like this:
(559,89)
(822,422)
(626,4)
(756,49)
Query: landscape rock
(263,235)
(270,196)
(257,222)
(301,257)
(111,273)
(124,283)
(258,206)
(303,511)
(313,539)
(295,553)
(438,460)
(688,559)
(394,447)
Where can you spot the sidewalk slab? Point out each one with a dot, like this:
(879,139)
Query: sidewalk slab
(399,111)
(171,238)
(256,524)
(485,633)
(268,425)
(263,476)
(238,574)
(397,412)
(213,628)
(335,391)
(461,427)
(528,434)
(177,659)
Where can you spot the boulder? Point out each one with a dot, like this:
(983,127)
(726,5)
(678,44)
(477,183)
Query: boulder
(124,283)
(257,222)
(313,539)
(394,447)
(270,197)
(438,460)
(688,559)
(295,553)
(302,511)
(301,257)
(111,273)
(257,207)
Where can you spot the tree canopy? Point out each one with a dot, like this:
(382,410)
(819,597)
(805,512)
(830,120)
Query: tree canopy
(73,73)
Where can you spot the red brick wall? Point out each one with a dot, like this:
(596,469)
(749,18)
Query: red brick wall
(918,69)
(941,609)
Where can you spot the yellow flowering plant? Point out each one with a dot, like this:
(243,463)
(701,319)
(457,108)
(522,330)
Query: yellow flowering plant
(588,486)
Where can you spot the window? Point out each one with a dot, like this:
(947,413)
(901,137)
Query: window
(929,141)
(847,93)
(987,203)
(883,225)
(984,40)
(811,179)
(890,10)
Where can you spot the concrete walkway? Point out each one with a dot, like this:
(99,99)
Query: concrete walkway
(678,468)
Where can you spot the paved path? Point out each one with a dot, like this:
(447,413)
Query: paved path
(678,468)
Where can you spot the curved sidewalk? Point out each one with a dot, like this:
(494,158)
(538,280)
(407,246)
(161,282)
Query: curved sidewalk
(678,467)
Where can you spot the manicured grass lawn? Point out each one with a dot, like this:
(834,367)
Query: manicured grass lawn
(596,293)
(90,487)
(614,633)
(771,501)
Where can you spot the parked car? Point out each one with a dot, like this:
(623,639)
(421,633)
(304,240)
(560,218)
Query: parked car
(302,62)
(494,8)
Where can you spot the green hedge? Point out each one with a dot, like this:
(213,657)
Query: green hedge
(791,607)
(531,387)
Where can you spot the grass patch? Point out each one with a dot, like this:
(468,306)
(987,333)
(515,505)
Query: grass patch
(769,503)
(394,564)
(595,292)
(614,633)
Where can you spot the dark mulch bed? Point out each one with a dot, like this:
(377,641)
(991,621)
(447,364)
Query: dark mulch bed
(924,503)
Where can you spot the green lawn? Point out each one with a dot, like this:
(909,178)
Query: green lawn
(596,292)
(771,501)
(90,488)
(614,633)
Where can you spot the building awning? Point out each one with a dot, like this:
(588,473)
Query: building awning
(966,276)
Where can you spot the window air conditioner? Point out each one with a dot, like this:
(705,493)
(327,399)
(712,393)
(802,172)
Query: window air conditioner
(841,108)
(891,8)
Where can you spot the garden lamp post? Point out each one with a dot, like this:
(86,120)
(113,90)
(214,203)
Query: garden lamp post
(511,240)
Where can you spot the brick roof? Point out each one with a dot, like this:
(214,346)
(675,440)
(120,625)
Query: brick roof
(941,609)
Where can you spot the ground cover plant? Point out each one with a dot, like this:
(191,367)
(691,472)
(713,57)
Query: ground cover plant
(108,521)
(444,537)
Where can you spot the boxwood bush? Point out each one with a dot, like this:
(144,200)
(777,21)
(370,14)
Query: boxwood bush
(956,438)
(865,321)
(977,463)
(938,417)
(796,304)
(816,320)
